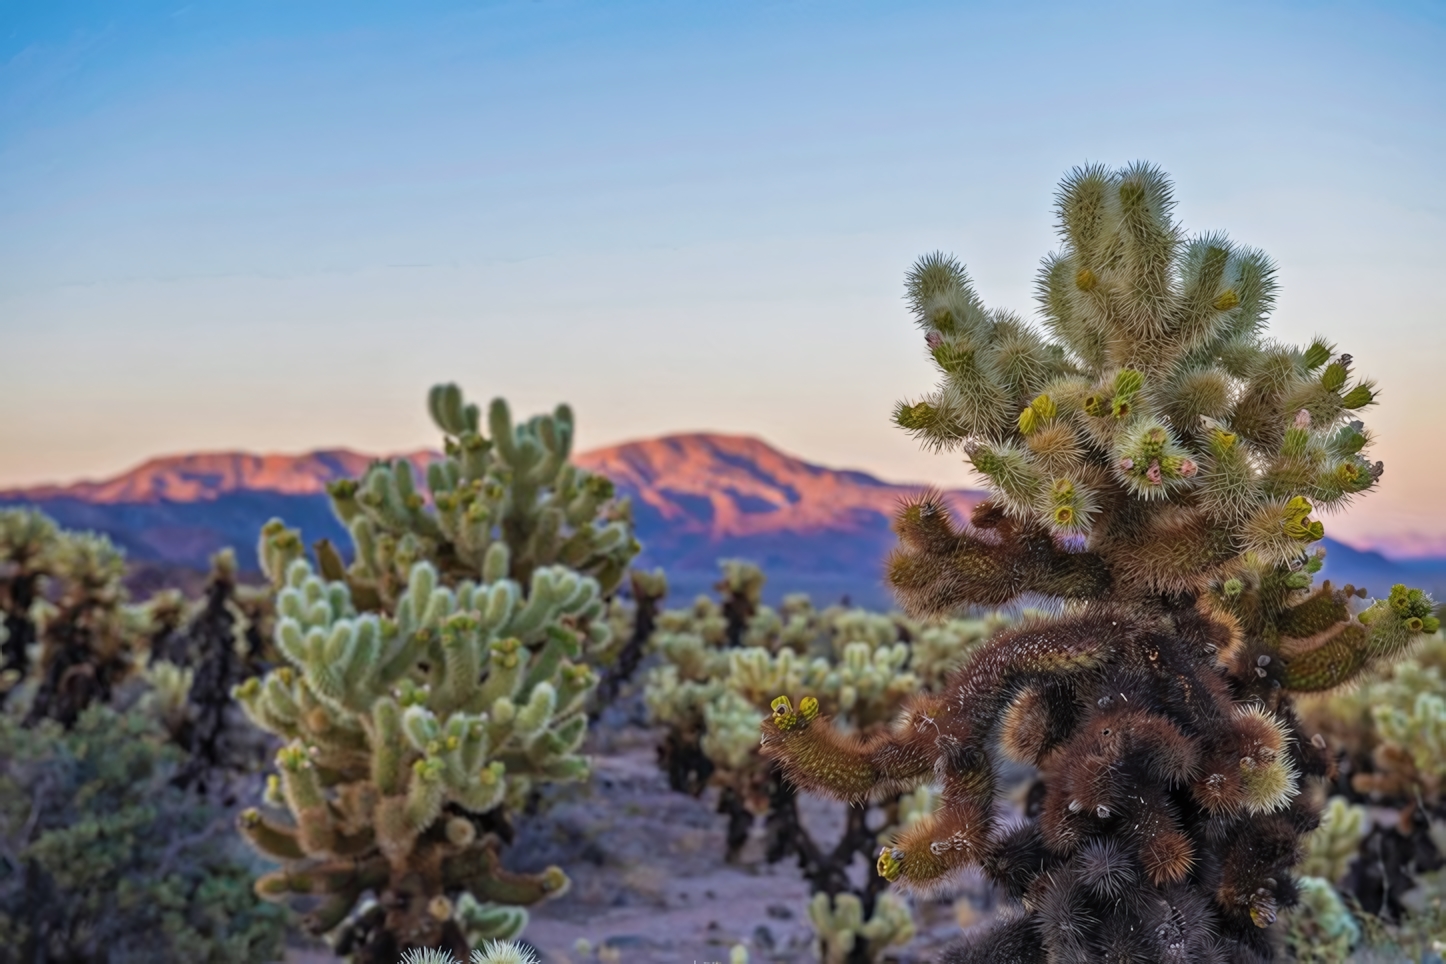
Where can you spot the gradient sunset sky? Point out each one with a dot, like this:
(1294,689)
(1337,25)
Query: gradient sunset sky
(272,225)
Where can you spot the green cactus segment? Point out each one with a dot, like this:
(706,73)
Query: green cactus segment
(1340,651)
(839,926)
(437,678)
(1334,844)
(503,505)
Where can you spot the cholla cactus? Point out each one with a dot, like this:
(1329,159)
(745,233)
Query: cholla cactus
(28,542)
(416,713)
(63,590)
(1156,466)
(631,625)
(494,952)
(1410,758)
(198,654)
(840,929)
(497,506)
(713,680)
(1334,844)
(1393,729)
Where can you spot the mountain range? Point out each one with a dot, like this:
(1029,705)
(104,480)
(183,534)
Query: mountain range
(697,498)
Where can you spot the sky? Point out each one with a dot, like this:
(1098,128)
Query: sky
(271,225)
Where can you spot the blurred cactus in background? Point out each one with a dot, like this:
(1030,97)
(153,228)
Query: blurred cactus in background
(103,859)
(431,683)
(717,675)
(632,623)
(198,653)
(497,506)
(1392,728)
(1333,845)
(1156,467)
(28,544)
(842,933)
(1320,930)
(1388,734)
(63,591)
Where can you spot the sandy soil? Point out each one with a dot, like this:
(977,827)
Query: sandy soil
(650,879)
(650,884)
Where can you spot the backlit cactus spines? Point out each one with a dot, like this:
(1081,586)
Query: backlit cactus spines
(431,684)
(1159,466)
(502,501)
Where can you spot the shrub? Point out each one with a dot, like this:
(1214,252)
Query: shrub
(102,859)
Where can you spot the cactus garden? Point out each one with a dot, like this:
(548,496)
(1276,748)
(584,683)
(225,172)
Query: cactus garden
(1116,712)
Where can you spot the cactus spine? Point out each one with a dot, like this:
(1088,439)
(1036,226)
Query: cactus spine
(1157,466)
(433,681)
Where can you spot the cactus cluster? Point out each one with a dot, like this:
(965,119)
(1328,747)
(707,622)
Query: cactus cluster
(63,590)
(1387,734)
(29,542)
(1154,467)
(841,929)
(713,679)
(632,621)
(721,664)
(511,487)
(432,683)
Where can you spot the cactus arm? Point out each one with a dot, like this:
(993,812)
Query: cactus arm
(268,837)
(816,756)
(937,569)
(956,835)
(479,869)
(1343,651)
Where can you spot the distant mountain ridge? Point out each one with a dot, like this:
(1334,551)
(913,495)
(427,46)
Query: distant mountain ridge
(697,498)
(206,476)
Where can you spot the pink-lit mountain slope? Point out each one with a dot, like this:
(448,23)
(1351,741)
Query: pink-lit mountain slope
(206,476)
(697,498)
(733,486)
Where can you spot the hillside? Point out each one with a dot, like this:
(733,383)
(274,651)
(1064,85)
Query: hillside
(697,498)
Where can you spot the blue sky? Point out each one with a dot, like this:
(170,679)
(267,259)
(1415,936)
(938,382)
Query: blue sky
(271,225)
